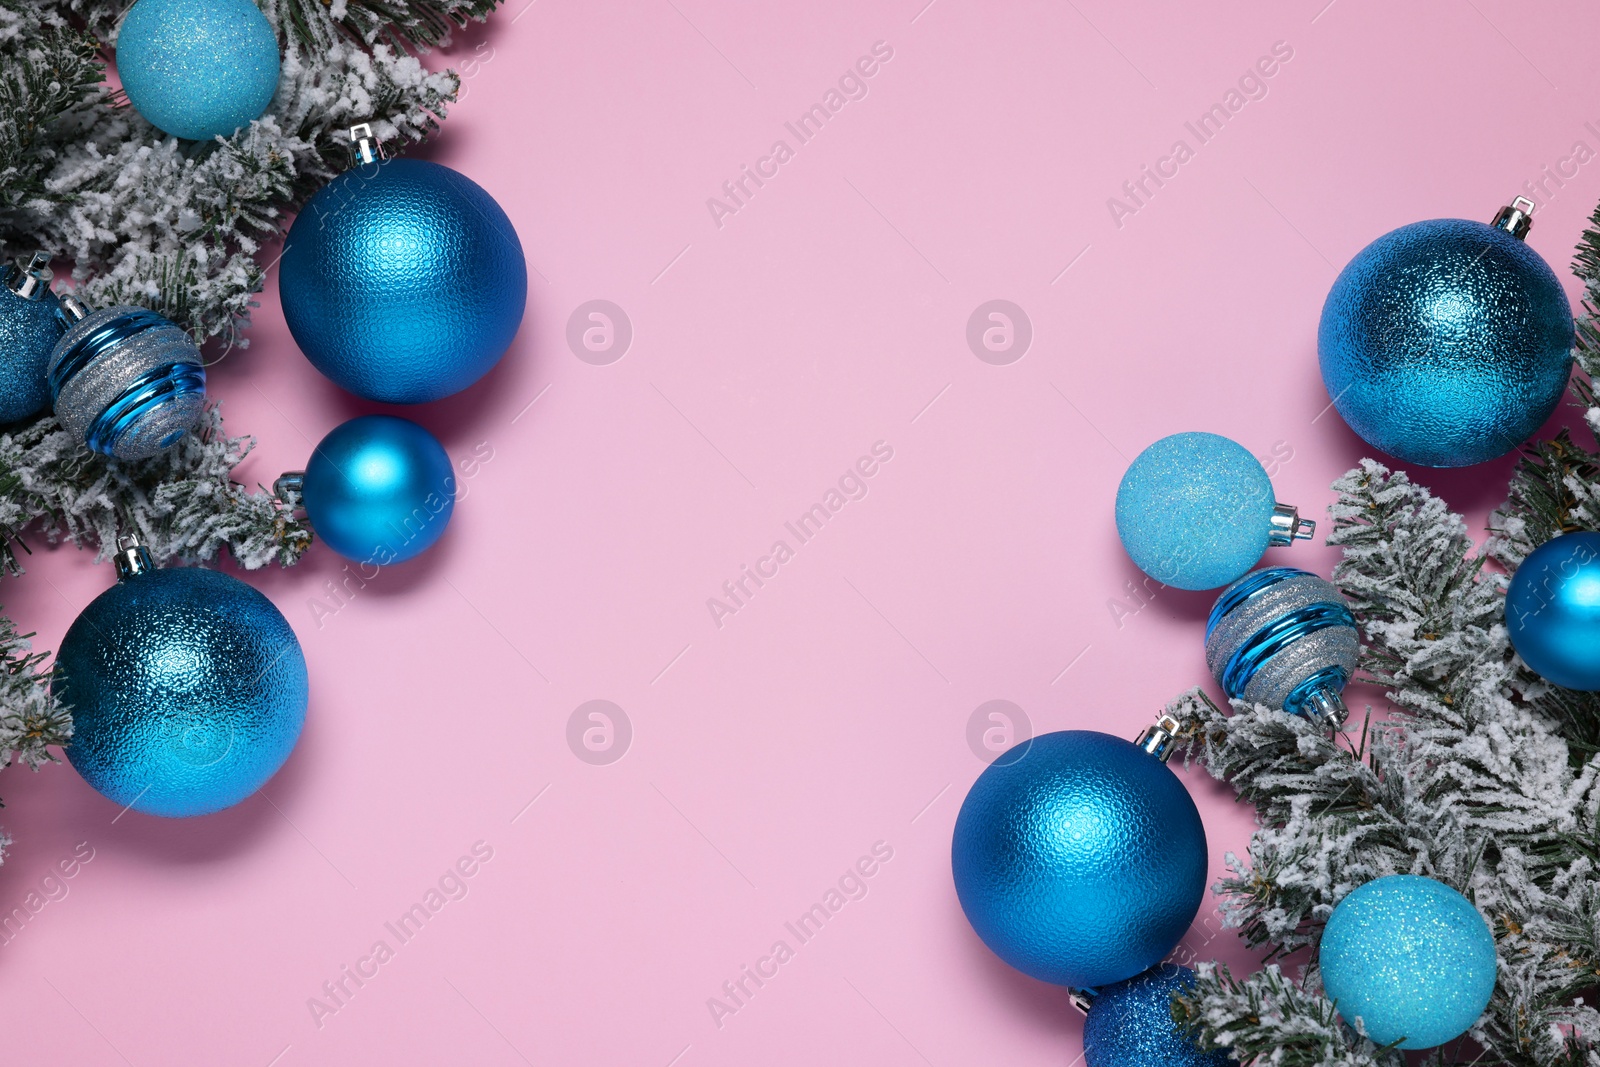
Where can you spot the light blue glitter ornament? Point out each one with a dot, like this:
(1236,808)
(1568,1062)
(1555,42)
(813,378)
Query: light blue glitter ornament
(1130,1023)
(1447,343)
(29,329)
(378,489)
(198,69)
(125,381)
(1195,511)
(1411,958)
(1284,638)
(402,281)
(1082,862)
(1553,611)
(187,687)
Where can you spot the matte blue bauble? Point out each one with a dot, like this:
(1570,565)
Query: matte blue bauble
(1082,862)
(198,69)
(29,330)
(1446,343)
(187,688)
(1411,958)
(1195,510)
(1130,1024)
(379,489)
(1284,638)
(1553,611)
(403,281)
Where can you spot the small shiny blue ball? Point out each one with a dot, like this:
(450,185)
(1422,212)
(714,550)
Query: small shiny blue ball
(198,69)
(1194,510)
(379,489)
(1411,958)
(403,282)
(188,691)
(1082,862)
(1446,343)
(28,333)
(1553,611)
(1130,1024)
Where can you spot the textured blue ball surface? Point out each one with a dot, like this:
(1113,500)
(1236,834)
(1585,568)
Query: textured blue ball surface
(1553,611)
(1411,958)
(28,333)
(198,69)
(403,281)
(1446,343)
(1130,1024)
(1194,510)
(379,489)
(187,688)
(1081,863)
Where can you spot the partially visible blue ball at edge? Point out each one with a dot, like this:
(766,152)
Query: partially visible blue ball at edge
(1553,611)
(379,489)
(1194,510)
(1130,1024)
(1411,958)
(198,69)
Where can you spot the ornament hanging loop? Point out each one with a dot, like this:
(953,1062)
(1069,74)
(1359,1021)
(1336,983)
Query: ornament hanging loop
(30,282)
(364,146)
(132,557)
(1158,740)
(1516,218)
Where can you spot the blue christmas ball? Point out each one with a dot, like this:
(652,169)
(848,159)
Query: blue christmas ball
(1553,611)
(187,688)
(1411,958)
(29,330)
(1130,1024)
(1082,862)
(1446,343)
(379,489)
(1284,638)
(198,69)
(1194,510)
(403,281)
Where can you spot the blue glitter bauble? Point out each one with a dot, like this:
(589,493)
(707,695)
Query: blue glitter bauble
(1194,510)
(1130,1024)
(1553,611)
(1446,343)
(1284,638)
(198,69)
(403,281)
(1411,958)
(379,489)
(187,688)
(1081,863)
(29,330)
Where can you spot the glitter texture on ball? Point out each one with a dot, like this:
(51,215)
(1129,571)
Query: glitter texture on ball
(198,69)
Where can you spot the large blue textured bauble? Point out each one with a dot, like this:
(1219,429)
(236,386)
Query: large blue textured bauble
(198,69)
(1083,862)
(1446,343)
(1284,638)
(187,688)
(403,281)
(28,332)
(1553,611)
(379,489)
(1194,510)
(1411,958)
(1130,1024)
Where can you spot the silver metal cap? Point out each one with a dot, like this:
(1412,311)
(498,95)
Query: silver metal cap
(290,487)
(1158,739)
(1516,219)
(1287,527)
(30,282)
(364,146)
(1327,707)
(131,558)
(72,309)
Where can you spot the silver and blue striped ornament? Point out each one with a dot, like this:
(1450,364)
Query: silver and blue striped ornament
(125,380)
(1284,638)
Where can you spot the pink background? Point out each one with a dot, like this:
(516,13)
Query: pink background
(831,711)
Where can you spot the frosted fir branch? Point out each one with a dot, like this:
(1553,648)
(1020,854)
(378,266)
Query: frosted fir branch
(183,503)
